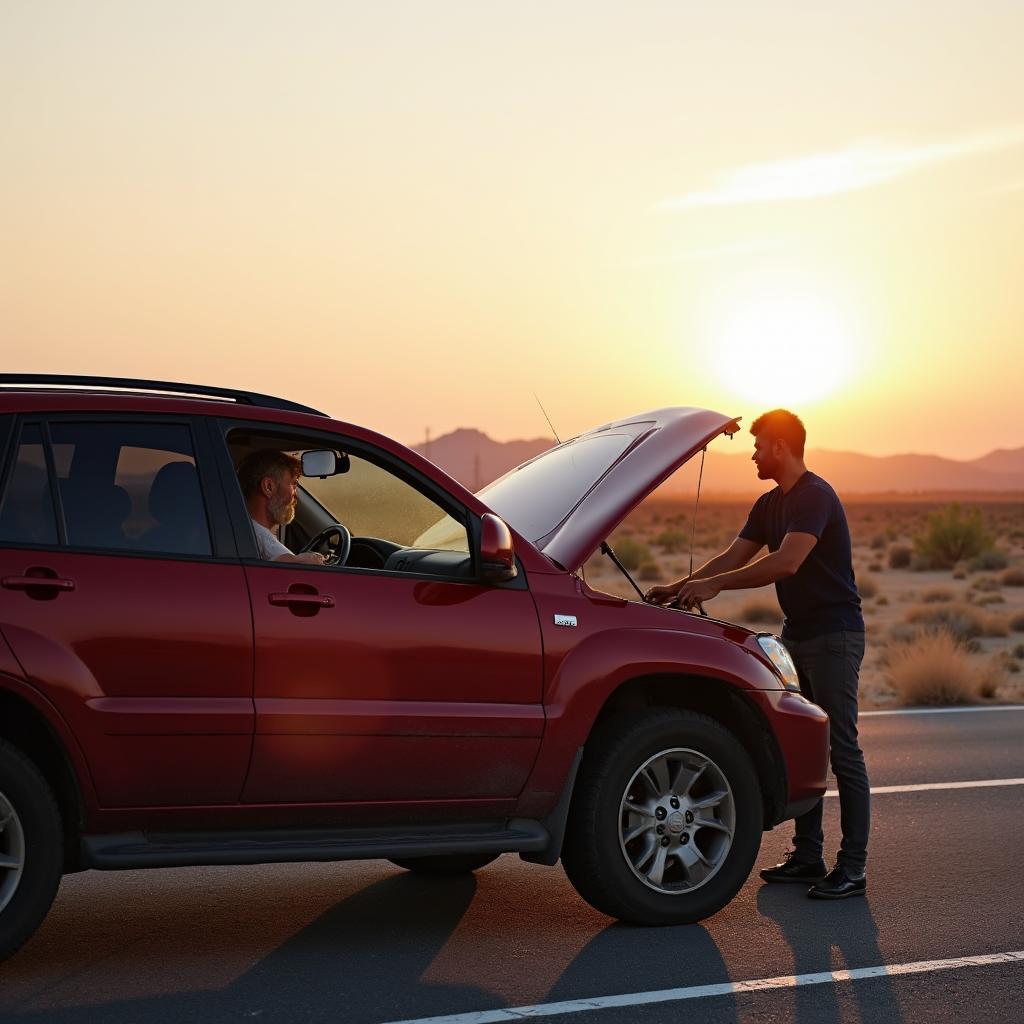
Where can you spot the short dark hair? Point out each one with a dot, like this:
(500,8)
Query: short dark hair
(782,425)
(266,462)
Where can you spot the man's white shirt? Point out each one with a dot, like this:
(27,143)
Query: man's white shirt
(268,545)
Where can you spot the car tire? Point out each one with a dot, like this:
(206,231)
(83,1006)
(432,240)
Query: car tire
(607,852)
(445,864)
(31,844)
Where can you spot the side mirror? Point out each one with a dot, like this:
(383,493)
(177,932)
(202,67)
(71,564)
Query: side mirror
(323,463)
(497,553)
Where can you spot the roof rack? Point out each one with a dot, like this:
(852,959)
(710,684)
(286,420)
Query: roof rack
(51,381)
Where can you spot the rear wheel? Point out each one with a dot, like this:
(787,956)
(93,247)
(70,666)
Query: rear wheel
(666,820)
(31,848)
(446,864)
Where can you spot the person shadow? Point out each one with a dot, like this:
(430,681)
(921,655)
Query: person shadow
(817,930)
(624,958)
(361,960)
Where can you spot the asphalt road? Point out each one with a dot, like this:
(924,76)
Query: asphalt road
(365,943)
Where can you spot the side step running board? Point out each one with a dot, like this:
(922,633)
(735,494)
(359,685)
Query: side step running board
(272,846)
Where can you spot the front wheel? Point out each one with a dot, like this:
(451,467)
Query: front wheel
(445,864)
(666,820)
(31,848)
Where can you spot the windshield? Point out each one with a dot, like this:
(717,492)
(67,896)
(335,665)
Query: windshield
(535,497)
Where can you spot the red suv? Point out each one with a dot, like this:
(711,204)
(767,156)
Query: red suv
(444,689)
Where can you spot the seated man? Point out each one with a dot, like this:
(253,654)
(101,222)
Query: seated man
(270,483)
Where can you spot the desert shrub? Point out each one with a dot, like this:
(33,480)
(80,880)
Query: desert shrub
(937,595)
(989,560)
(899,556)
(878,542)
(650,571)
(1017,622)
(1013,577)
(935,668)
(671,540)
(760,609)
(919,562)
(867,586)
(951,535)
(961,620)
(1018,652)
(987,599)
(631,553)
(960,571)
(882,600)
(986,583)
(875,567)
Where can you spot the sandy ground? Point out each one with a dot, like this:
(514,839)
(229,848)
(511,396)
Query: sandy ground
(889,595)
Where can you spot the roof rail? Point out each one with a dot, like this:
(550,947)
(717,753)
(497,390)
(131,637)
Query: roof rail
(50,381)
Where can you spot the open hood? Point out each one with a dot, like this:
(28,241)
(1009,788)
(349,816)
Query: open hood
(568,499)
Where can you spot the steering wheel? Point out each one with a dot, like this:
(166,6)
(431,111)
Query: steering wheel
(339,552)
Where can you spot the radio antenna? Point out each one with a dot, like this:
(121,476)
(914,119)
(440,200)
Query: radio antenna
(548,418)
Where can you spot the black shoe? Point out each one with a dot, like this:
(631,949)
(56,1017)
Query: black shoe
(792,870)
(839,883)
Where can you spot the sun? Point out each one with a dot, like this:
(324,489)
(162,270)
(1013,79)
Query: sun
(782,347)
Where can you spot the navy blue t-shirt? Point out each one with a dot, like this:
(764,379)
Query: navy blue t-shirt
(821,596)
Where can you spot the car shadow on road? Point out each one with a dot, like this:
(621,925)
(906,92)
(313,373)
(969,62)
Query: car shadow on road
(816,930)
(362,960)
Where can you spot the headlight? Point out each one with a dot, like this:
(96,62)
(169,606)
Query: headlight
(779,657)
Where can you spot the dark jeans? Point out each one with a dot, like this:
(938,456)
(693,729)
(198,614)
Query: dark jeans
(828,667)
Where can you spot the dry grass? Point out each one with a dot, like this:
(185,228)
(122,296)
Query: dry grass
(899,556)
(1013,577)
(937,595)
(760,610)
(935,668)
(962,620)
(986,583)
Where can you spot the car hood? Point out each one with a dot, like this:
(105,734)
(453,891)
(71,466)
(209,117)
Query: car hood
(568,499)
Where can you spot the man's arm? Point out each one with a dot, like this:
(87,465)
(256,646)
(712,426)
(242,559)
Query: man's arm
(306,557)
(777,565)
(737,554)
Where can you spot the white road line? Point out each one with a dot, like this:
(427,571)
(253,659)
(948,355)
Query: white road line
(671,995)
(923,787)
(941,711)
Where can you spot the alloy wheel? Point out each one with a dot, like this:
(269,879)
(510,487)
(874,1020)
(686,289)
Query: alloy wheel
(12,851)
(677,818)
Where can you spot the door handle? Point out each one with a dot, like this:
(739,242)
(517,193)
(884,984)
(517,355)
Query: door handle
(36,583)
(299,600)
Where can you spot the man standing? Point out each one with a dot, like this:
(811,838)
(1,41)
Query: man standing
(810,562)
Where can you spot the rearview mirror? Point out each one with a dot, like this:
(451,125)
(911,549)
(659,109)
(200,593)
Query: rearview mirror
(496,552)
(324,463)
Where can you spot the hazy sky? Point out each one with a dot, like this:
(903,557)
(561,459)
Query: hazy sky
(418,214)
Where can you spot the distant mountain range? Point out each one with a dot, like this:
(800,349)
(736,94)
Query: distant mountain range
(474,460)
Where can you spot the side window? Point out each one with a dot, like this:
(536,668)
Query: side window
(373,502)
(26,515)
(130,486)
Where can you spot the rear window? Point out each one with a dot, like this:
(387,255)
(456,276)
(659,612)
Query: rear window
(534,498)
(130,486)
(26,514)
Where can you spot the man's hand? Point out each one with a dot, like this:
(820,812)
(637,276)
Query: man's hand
(696,592)
(665,594)
(310,558)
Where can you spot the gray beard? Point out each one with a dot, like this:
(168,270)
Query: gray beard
(281,512)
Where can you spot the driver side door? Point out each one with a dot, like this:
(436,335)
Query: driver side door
(376,686)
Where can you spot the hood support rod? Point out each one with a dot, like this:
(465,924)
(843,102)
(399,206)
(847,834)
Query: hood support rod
(606,549)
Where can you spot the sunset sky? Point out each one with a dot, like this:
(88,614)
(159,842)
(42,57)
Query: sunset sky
(419,214)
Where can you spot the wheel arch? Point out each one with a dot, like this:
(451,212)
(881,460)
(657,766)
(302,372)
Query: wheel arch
(26,727)
(720,701)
